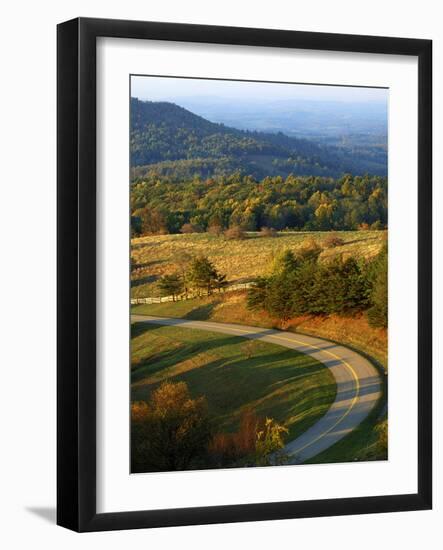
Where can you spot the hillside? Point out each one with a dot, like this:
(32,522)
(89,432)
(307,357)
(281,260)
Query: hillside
(164,136)
(241,260)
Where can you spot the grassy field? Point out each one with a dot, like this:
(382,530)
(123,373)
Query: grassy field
(231,308)
(213,369)
(234,374)
(240,260)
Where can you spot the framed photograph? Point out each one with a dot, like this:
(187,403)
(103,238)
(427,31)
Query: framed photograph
(244,274)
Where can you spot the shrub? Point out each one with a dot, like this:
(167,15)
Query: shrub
(190,228)
(270,443)
(221,449)
(245,438)
(215,229)
(377,225)
(363,227)
(268,232)
(228,448)
(235,232)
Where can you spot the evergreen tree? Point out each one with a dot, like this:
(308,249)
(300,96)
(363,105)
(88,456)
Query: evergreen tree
(220,281)
(285,261)
(257,294)
(171,285)
(378,312)
(203,274)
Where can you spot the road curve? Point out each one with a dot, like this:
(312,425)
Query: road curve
(358,382)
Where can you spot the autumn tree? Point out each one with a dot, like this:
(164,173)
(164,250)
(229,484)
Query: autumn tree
(233,199)
(152,221)
(215,229)
(171,431)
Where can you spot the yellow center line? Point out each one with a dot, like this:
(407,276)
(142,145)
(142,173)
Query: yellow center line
(293,340)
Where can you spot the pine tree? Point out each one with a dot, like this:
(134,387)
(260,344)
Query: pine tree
(171,285)
(203,274)
(378,312)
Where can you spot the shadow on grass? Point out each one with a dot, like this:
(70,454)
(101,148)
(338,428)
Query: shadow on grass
(143,280)
(360,240)
(231,380)
(203,312)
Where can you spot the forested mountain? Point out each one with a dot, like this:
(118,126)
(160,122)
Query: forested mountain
(169,140)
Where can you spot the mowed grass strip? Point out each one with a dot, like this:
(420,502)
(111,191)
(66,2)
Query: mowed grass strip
(234,373)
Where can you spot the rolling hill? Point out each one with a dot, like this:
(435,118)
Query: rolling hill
(170,140)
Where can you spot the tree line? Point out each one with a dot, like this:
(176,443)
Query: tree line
(299,284)
(161,205)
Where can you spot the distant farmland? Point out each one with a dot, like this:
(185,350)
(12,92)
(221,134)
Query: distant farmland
(240,260)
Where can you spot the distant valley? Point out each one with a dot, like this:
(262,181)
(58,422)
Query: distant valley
(173,141)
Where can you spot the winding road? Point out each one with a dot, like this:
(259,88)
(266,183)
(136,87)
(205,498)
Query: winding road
(358,382)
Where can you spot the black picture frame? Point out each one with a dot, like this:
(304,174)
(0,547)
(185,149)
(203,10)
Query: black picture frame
(76,295)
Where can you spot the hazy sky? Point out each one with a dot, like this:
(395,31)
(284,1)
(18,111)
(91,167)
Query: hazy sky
(170,89)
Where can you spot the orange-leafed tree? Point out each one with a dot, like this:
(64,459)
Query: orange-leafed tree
(171,431)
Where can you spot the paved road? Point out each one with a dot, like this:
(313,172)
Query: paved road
(358,382)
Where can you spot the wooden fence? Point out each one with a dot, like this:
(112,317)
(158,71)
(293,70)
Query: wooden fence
(189,296)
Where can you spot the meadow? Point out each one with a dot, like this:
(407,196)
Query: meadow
(234,374)
(241,260)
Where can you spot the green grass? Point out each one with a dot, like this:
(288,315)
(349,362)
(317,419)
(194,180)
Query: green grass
(240,260)
(364,442)
(360,445)
(234,373)
(231,308)
(244,260)
(198,309)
